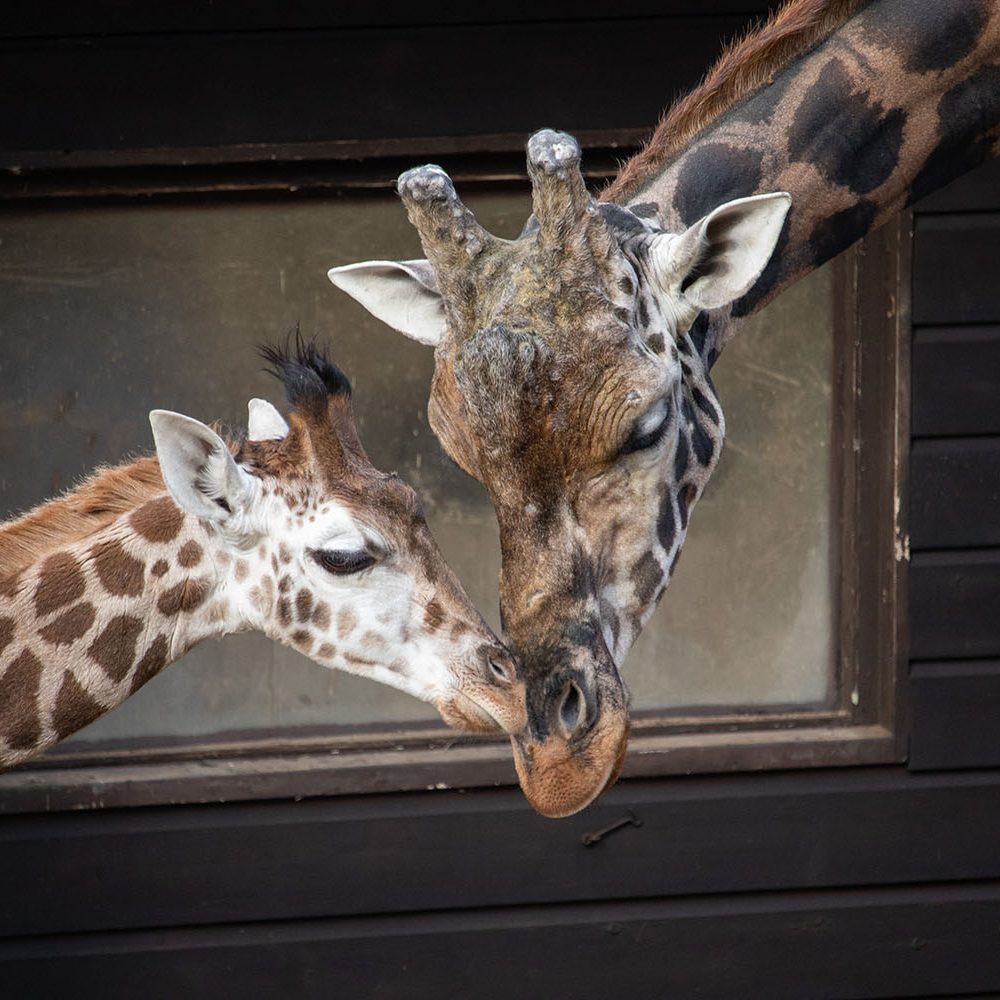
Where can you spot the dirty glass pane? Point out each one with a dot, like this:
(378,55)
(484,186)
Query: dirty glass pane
(109,311)
(749,618)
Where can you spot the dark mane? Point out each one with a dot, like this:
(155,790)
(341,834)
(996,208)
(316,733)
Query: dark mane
(745,66)
(308,376)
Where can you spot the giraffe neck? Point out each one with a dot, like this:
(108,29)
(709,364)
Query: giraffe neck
(898,100)
(91,622)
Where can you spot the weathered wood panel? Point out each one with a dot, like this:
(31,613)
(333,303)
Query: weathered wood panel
(166,867)
(955,493)
(918,941)
(954,604)
(956,381)
(956,715)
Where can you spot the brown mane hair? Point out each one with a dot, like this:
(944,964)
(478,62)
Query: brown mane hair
(745,66)
(101,498)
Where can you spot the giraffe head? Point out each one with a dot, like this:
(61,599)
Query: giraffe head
(567,382)
(328,555)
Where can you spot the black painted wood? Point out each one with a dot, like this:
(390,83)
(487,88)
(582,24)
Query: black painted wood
(68,18)
(232,88)
(954,604)
(99,871)
(954,268)
(956,714)
(956,381)
(976,191)
(955,491)
(913,941)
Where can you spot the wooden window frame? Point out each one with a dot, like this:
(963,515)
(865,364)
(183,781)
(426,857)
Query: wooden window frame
(871,387)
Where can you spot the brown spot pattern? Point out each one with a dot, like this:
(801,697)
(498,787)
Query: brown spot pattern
(433,616)
(60,582)
(159,567)
(158,520)
(74,707)
(326,651)
(284,584)
(9,584)
(152,662)
(242,570)
(182,597)
(189,555)
(321,616)
(19,722)
(69,626)
(114,649)
(283,553)
(6,632)
(302,639)
(347,621)
(118,572)
(285,611)
(303,605)
(372,641)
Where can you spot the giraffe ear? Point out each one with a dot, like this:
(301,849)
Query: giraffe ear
(721,256)
(198,468)
(264,422)
(404,294)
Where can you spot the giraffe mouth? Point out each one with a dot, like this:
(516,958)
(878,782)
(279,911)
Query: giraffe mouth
(461,711)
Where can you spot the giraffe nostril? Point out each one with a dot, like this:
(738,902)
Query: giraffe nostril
(572,709)
(498,672)
(501,666)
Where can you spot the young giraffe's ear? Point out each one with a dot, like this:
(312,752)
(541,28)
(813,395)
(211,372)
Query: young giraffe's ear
(404,294)
(198,469)
(721,256)
(264,422)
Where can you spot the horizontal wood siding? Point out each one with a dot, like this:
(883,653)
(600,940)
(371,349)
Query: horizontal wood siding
(860,882)
(955,477)
(185,91)
(405,853)
(924,942)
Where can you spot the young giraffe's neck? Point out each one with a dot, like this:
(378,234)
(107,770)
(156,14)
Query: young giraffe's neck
(88,624)
(902,97)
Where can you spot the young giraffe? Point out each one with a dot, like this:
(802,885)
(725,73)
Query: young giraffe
(571,366)
(292,533)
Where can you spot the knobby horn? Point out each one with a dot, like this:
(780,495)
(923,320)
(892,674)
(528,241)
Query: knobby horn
(449,233)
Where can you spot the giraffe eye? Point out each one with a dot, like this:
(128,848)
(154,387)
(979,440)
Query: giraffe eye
(649,428)
(342,562)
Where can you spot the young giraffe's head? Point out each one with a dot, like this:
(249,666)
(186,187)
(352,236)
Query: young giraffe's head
(567,381)
(292,533)
(332,556)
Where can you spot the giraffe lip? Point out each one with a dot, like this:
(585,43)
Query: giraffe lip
(466,712)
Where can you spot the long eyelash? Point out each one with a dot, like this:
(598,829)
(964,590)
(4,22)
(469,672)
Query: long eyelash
(647,440)
(342,563)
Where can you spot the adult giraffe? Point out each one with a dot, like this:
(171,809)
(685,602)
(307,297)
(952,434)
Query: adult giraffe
(296,536)
(572,365)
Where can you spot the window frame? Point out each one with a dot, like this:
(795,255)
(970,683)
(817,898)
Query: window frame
(870,444)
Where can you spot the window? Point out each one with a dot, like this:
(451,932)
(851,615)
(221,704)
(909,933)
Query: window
(776,642)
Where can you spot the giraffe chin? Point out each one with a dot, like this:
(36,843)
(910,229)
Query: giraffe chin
(560,777)
(463,712)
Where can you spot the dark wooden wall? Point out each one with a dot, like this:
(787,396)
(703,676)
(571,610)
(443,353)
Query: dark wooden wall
(864,882)
(955,506)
